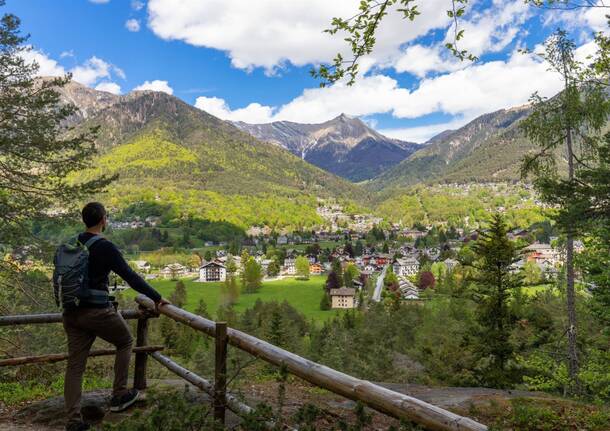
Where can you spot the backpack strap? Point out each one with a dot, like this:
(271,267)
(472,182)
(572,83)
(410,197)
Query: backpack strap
(91,241)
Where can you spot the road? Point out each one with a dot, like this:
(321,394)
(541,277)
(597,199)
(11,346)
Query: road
(379,285)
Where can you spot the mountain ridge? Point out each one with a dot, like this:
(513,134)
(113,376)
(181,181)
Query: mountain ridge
(451,155)
(344,145)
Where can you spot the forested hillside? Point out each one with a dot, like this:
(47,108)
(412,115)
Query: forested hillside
(489,148)
(162,148)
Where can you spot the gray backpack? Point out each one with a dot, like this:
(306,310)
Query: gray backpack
(71,275)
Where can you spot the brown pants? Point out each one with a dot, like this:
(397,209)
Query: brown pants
(82,327)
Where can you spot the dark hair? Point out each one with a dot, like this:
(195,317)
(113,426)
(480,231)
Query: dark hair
(93,213)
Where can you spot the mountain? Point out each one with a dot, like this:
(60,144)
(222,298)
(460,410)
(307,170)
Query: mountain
(489,148)
(345,146)
(88,100)
(166,150)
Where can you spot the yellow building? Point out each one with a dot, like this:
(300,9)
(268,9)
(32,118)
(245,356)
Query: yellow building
(343,298)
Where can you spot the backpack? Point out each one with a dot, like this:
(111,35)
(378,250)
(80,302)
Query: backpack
(71,275)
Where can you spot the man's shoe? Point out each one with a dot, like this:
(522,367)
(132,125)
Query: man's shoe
(122,402)
(77,426)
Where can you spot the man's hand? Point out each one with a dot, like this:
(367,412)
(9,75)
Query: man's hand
(161,302)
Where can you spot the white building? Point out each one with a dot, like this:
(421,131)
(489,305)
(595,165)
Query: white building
(142,266)
(174,270)
(406,266)
(290,266)
(212,271)
(408,290)
(343,297)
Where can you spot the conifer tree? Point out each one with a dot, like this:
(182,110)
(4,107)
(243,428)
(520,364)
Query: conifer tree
(276,333)
(571,124)
(37,152)
(493,280)
(334,280)
(178,296)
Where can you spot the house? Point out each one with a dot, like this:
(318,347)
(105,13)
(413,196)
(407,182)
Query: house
(406,266)
(450,263)
(315,269)
(212,271)
(289,266)
(343,297)
(413,233)
(174,270)
(543,252)
(517,234)
(408,290)
(265,264)
(142,266)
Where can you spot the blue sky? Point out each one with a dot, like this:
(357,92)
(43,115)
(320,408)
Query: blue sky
(249,60)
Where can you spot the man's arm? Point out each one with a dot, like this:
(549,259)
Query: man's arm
(120,267)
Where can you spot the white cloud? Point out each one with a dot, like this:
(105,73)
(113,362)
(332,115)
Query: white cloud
(110,87)
(596,18)
(156,85)
(465,93)
(421,60)
(46,65)
(492,29)
(421,134)
(89,73)
(132,25)
(92,71)
(253,113)
(292,31)
(137,4)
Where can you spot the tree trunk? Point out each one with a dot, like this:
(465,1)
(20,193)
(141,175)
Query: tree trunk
(570,292)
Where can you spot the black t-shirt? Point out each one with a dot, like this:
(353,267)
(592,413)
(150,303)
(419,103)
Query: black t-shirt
(104,257)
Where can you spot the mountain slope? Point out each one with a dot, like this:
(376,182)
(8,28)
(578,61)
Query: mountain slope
(489,148)
(344,146)
(164,149)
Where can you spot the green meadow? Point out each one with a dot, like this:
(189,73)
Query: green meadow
(305,296)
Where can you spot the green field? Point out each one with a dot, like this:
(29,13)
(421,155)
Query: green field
(305,296)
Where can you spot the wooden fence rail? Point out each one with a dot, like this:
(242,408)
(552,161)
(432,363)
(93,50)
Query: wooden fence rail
(34,319)
(57,357)
(379,398)
(392,403)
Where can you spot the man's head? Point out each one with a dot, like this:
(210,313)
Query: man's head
(94,215)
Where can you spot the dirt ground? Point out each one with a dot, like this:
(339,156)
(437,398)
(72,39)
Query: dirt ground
(47,415)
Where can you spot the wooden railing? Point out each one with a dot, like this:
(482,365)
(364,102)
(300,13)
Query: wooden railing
(392,403)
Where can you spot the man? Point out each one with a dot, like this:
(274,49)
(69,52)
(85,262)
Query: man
(89,320)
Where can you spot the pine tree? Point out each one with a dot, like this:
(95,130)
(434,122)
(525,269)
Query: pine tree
(493,281)
(202,309)
(37,154)
(325,303)
(334,280)
(273,269)
(178,296)
(276,333)
(571,121)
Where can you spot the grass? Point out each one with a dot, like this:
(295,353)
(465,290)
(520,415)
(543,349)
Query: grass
(16,393)
(305,296)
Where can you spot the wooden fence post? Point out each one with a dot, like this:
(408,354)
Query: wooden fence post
(139,376)
(220,372)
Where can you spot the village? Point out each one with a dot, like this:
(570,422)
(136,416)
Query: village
(402,252)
